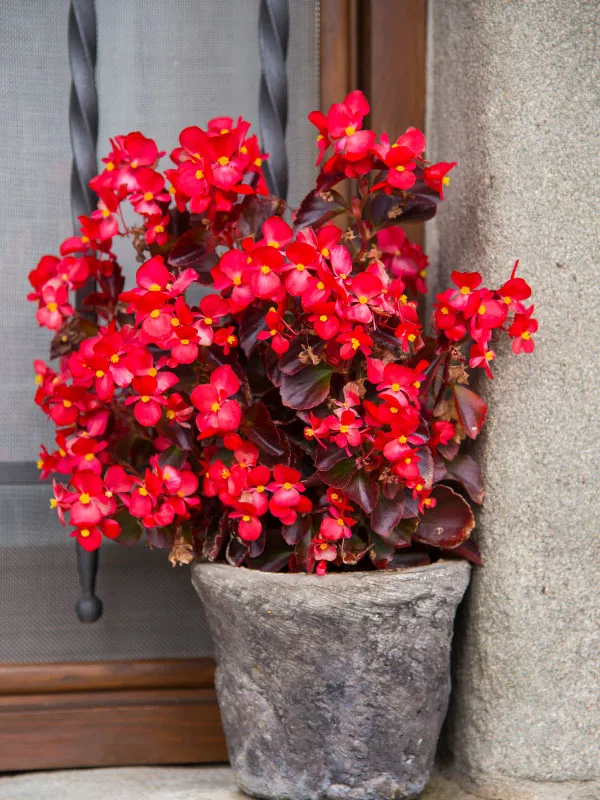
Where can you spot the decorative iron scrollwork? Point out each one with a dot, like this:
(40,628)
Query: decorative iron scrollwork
(273,35)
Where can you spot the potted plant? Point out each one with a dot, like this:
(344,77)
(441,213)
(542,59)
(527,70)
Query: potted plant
(292,419)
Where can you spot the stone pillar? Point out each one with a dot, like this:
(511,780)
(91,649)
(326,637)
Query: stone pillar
(513,97)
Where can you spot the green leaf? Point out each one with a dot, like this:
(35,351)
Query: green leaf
(307,389)
(449,523)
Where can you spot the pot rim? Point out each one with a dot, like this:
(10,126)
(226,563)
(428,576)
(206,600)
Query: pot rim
(442,563)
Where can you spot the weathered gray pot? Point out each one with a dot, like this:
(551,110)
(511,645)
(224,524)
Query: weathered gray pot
(332,687)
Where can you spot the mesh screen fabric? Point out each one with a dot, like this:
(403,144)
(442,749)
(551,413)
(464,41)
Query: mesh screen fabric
(160,67)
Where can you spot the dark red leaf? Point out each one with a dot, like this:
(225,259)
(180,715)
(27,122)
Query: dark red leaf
(270,440)
(316,210)
(189,252)
(255,209)
(465,470)
(160,538)
(325,459)
(290,363)
(469,551)
(255,548)
(386,515)
(381,553)
(236,551)
(362,489)
(406,559)
(216,533)
(131,530)
(449,523)
(307,389)
(340,474)
(471,410)
(293,533)
(353,549)
(253,322)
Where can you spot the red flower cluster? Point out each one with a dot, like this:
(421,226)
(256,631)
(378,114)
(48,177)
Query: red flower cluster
(298,415)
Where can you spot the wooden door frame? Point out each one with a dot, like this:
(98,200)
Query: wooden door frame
(165,711)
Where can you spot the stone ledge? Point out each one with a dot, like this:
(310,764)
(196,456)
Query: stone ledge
(216,783)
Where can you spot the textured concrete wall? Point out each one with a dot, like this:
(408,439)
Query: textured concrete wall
(513,97)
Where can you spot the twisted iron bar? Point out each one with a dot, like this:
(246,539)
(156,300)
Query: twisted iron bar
(273,35)
(83,128)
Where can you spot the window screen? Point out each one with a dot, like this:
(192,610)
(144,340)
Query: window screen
(160,67)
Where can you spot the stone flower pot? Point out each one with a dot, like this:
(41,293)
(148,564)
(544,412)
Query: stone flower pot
(332,687)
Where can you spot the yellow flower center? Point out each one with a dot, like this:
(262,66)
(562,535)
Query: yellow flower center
(223,161)
(402,439)
(152,372)
(148,196)
(340,522)
(309,433)
(84,533)
(225,473)
(245,518)
(489,356)
(185,341)
(300,267)
(355,344)
(323,546)
(53,502)
(214,408)
(143,491)
(258,162)
(105,213)
(159,228)
(320,286)
(89,456)
(110,166)
(273,332)
(99,373)
(174,322)
(350,130)
(84,499)
(408,460)
(446,180)
(39,379)
(199,175)
(444,311)
(154,314)
(52,307)
(325,252)
(526,335)
(260,489)
(208,321)
(464,290)
(265,270)
(363,299)
(145,398)
(399,168)
(344,428)
(323,318)
(170,414)
(481,309)
(419,487)
(423,273)
(39,463)
(237,279)
(134,164)
(287,486)
(155,287)
(114,358)
(417,384)
(395,387)
(411,337)
(67,403)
